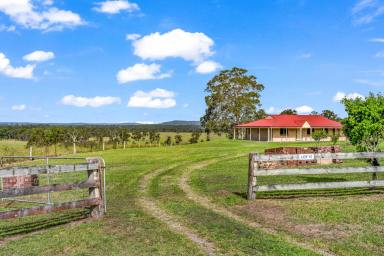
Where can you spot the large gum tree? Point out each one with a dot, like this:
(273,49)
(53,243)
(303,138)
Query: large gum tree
(233,97)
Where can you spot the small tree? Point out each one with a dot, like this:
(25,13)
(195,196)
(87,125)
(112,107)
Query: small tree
(335,138)
(329,114)
(289,111)
(318,136)
(178,139)
(364,125)
(168,141)
(195,137)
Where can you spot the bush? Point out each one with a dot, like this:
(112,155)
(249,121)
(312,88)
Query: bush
(195,137)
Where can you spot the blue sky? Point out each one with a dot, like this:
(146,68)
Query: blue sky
(149,61)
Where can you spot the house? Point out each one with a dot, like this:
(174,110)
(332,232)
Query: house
(287,128)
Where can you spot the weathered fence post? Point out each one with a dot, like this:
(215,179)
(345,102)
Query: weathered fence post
(97,176)
(251,195)
(375,162)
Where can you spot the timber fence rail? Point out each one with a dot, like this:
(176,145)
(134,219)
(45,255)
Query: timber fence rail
(95,183)
(254,171)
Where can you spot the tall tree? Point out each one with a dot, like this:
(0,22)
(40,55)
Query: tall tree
(233,97)
(288,111)
(330,114)
(364,125)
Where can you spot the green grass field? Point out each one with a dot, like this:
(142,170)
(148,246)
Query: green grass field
(190,200)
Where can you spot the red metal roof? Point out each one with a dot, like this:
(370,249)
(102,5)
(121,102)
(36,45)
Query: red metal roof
(293,121)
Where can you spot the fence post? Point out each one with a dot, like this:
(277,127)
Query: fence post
(251,195)
(98,191)
(375,162)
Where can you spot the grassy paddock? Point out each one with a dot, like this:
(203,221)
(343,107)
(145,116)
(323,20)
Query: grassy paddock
(130,230)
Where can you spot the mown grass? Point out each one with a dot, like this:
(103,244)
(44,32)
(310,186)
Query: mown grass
(345,221)
(128,230)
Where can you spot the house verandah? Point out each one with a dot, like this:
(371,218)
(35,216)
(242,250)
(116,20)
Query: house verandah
(274,134)
(280,128)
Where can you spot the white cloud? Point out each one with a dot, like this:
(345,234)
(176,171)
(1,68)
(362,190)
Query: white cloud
(306,55)
(116,6)
(132,36)
(208,67)
(94,102)
(141,71)
(379,54)
(377,40)
(38,15)
(39,56)
(177,43)
(7,28)
(158,98)
(304,109)
(271,110)
(7,69)
(185,105)
(341,95)
(145,122)
(365,11)
(19,107)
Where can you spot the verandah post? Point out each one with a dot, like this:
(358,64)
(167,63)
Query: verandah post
(251,194)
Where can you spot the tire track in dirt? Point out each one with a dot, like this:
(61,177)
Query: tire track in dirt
(205,202)
(151,207)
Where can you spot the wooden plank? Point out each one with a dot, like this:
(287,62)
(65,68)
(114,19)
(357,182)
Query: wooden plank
(284,172)
(29,170)
(286,157)
(50,208)
(321,185)
(251,195)
(45,189)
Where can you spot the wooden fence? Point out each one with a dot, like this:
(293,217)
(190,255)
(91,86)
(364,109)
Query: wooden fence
(95,183)
(254,171)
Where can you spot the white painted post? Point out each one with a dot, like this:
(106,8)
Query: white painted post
(250,133)
(30,151)
(259,133)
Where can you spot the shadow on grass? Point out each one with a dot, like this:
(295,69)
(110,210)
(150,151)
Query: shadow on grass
(21,226)
(313,193)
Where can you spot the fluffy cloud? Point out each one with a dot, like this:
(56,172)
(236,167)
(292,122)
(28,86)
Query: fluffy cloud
(19,107)
(39,56)
(341,95)
(194,47)
(132,36)
(158,98)
(116,6)
(141,71)
(37,15)
(207,67)
(304,109)
(94,102)
(7,69)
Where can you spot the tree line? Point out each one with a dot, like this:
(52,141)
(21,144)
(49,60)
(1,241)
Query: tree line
(93,137)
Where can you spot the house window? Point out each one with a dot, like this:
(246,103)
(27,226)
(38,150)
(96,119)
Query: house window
(326,130)
(283,131)
(308,131)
